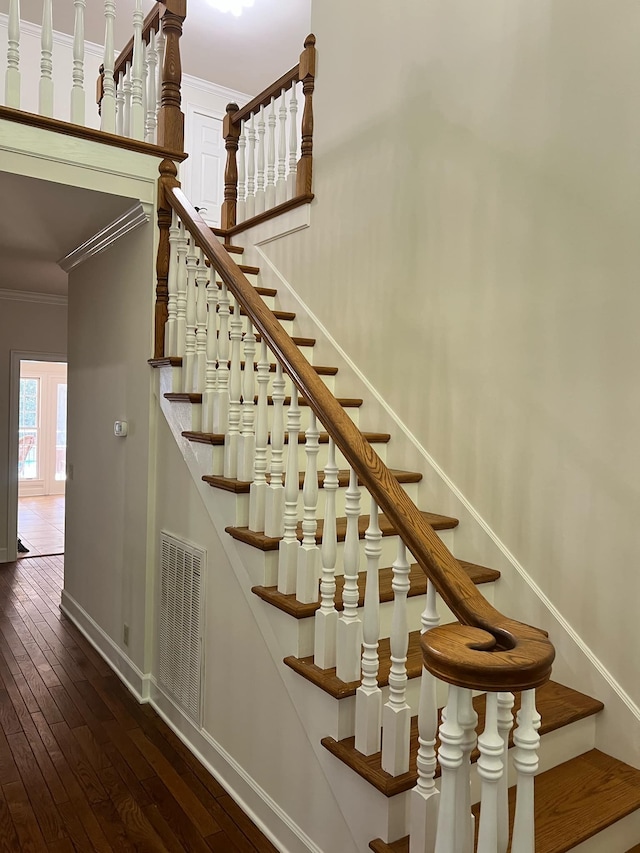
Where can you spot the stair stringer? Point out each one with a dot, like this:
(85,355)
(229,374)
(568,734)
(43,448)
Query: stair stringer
(576,665)
(351,814)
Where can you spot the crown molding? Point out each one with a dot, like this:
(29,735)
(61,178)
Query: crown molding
(30,29)
(139,214)
(228,95)
(33,296)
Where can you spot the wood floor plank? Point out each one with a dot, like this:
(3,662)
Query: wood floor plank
(24,820)
(176,817)
(9,842)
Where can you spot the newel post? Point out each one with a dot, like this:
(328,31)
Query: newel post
(307,76)
(170,117)
(167,180)
(231,133)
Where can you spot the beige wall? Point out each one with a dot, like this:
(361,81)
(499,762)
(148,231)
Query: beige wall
(25,327)
(474,249)
(111,301)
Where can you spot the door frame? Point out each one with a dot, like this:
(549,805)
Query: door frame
(16,357)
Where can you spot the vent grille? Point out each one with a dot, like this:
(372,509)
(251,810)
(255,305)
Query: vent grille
(180,640)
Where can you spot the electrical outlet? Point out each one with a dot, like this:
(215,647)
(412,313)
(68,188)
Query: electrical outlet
(125,634)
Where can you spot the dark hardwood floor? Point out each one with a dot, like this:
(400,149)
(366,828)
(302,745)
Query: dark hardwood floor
(83,766)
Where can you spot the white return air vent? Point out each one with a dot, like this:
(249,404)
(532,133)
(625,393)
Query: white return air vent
(181,624)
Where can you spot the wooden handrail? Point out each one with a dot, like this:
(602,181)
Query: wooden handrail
(264,98)
(487,651)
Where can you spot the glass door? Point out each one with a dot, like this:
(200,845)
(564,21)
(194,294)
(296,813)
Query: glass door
(42,437)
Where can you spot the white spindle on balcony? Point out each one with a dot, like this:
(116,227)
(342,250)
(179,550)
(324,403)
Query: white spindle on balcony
(349,636)
(309,553)
(289,545)
(274,507)
(172,288)
(108,104)
(152,78)
(281,183)
(45,94)
(250,207)
(260,195)
(270,190)
(211,376)
(490,770)
(221,396)
(396,720)
(189,360)
(160,41)
(77,90)
(369,695)
(235,391)
(200,368)
(182,247)
(120,105)
(126,87)
(247,438)
(137,69)
(241,211)
(450,756)
(326,618)
(425,797)
(258,491)
(12,76)
(293,143)
(526,741)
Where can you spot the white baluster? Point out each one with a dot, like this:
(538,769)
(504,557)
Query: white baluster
(241,213)
(425,797)
(108,105)
(369,695)
(189,360)
(289,545)
(465,825)
(396,721)
(260,197)
(77,91)
(235,390)
(127,99)
(45,100)
(160,41)
(270,190)
(505,722)
(211,375)
(490,770)
(172,288)
(326,618)
(274,508)
(120,105)
(200,368)
(221,397)
(526,741)
(145,83)
(309,553)
(293,144)
(349,636)
(450,757)
(137,68)
(12,77)
(152,61)
(281,183)
(182,247)
(258,491)
(247,439)
(250,207)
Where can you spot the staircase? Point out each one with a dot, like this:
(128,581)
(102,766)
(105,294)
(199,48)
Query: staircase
(584,799)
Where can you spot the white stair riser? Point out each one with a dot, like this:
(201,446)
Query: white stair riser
(617,838)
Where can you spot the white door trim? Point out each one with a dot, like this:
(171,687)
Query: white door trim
(12,474)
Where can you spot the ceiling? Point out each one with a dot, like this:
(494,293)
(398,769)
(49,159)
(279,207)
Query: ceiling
(44,222)
(245,53)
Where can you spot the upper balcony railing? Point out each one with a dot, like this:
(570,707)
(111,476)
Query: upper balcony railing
(138,91)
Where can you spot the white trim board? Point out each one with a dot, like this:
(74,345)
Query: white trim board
(136,681)
(139,214)
(33,296)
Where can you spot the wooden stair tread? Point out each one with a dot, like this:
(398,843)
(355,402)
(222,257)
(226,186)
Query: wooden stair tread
(279,315)
(573,802)
(323,438)
(267,543)
(243,486)
(183,397)
(417,578)
(345,402)
(234,250)
(166,361)
(298,341)
(558,706)
(320,369)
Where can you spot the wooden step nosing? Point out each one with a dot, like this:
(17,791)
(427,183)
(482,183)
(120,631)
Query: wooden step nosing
(243,486)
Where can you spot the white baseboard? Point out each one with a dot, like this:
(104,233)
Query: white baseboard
(137,682)
(255,802)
